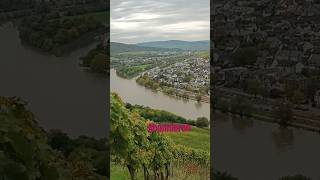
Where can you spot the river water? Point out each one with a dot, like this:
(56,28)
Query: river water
(254,150)
(133,93)
(60,93)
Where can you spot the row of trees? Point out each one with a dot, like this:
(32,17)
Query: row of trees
(48,34)
(239,105)
(134,148)
(165,116)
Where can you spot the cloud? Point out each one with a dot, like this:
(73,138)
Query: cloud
(152,20)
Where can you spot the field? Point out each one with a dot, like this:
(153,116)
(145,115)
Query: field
(203,54)
(197,138)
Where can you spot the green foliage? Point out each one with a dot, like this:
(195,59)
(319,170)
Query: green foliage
(156,115)
(50,34)
(202,122)
(134,148)
(131,71)
(96,59)
(128,136)
(198,97)
(25,153)
(99,63)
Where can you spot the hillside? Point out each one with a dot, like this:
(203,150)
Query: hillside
(116,48)
(28,152)
(183,45)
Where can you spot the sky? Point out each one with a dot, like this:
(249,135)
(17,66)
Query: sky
(134,21)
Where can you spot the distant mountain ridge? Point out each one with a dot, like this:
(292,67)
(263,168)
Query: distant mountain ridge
(116,48)
(183,45)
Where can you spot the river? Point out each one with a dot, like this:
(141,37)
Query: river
(255,150)
(133,93)
(60,93)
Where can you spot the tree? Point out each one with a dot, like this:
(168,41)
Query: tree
(202,122)
(128,136)
(26,154)
(185,95)
(99,63)
(60,141)
(198,97)
(47,44)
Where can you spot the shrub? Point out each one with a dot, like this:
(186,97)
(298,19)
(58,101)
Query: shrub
(202,122)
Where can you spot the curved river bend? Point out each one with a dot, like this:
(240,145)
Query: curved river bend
(133,93)
(60,93)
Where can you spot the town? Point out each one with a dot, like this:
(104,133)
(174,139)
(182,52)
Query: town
(268,52)
(190,76)
(129,65)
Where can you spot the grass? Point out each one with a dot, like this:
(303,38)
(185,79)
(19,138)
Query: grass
(133,53)
(120,173)
(197,138)
(203,54)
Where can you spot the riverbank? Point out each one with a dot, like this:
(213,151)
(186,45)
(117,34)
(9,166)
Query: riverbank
(269,117)
(179,93)
(233,101)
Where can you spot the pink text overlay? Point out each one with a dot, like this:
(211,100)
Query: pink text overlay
(168,127)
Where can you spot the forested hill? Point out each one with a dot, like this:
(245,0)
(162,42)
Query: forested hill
(183,45)
(121,47)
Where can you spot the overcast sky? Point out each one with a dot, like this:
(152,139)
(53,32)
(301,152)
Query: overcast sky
(135,21)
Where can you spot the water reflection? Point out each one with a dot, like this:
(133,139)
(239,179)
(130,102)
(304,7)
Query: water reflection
(241,124)
(268,150)
(198,105)
(283,138)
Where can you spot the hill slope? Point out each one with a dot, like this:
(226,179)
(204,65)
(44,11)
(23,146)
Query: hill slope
(184,45)
(116,48)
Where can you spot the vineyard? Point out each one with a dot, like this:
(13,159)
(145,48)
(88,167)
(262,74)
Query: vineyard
(137,154)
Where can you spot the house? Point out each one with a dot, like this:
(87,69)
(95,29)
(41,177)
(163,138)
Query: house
(233,75)
(295,81)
